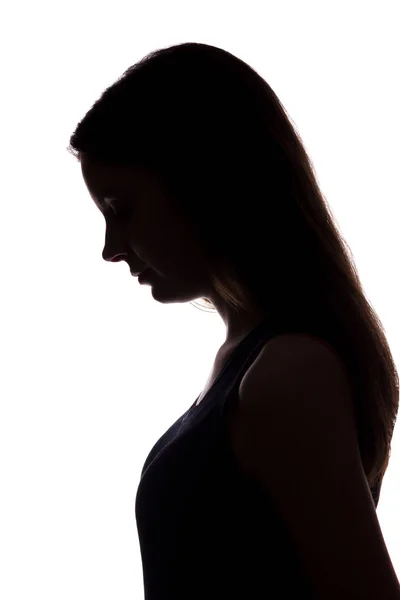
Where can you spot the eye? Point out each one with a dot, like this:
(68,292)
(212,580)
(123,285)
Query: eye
(110,208)
(116,209)
(109,204)
(118,213)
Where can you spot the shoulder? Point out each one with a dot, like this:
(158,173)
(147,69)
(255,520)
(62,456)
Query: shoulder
(295,434)
(294,396)
(297,346)
(296,365)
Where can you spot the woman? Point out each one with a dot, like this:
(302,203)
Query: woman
(266,487)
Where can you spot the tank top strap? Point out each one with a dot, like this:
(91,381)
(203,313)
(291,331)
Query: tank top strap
(248,350)
(243,357)
(240,360)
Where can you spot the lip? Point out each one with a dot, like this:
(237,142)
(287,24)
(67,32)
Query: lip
(136,273)
(143,275)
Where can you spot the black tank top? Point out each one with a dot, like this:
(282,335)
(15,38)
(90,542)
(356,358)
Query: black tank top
(206,530)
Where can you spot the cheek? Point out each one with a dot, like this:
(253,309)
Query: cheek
(164,241)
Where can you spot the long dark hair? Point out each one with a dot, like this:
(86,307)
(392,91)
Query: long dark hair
(226,149)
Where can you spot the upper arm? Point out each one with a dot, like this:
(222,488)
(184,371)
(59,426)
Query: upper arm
(297,437)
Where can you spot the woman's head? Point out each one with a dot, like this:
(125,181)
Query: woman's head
(146,228)
(188,115)
(213,136)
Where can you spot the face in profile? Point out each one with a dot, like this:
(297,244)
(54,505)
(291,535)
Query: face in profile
(145,227)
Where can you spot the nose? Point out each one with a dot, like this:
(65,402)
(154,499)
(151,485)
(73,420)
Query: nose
(111,243)
(113,256)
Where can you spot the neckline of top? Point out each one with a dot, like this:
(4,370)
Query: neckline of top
(232,357)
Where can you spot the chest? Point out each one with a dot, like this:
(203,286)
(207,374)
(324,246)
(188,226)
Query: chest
(235,423)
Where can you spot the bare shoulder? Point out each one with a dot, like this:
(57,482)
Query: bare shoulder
(297,389)
(295,434)
(296,347)
(294,364)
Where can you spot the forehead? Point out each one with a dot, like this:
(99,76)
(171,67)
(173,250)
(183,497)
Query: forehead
(100,176)
(105,181)
(108,182)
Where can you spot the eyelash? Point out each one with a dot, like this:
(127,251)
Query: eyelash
(110,210)
(116,214)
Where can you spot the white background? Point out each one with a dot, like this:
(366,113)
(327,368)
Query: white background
(94,370)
